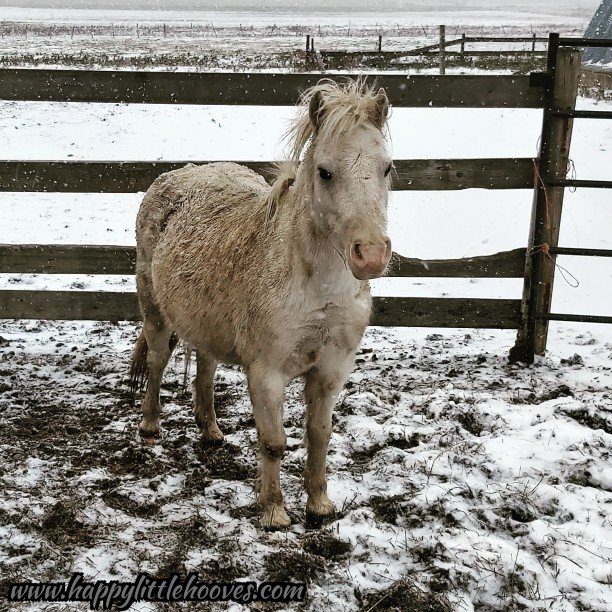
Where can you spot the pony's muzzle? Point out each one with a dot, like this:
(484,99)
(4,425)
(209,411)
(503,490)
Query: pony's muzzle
(369,259)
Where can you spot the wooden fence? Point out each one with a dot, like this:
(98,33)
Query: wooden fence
(440,52)
(268,89)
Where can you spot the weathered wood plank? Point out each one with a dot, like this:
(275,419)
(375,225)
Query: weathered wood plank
(151,87)
(451,174)
(69,305)
(507,264)
(103,259)
(389,56)
(401,312)
(93,177)
(504,39)
(130,177)
(67,259)
(493,54)
(446,312)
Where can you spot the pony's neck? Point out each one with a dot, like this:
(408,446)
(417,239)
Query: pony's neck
(305,240)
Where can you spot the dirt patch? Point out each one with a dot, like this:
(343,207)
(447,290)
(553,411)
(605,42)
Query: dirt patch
(593,417)
(226,461)
(404,596)
(326,545)
(193,532)
(400,510)
(287,565)
(120,501)
(403,442)
(62,525)
(556,393)
(362,458)
(470,422)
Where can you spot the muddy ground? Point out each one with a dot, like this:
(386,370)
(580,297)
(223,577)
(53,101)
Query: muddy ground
(461,482)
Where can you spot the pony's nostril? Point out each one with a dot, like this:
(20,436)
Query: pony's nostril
(357,250)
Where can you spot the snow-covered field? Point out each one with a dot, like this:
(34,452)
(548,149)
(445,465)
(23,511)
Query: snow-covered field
(486,484)
(231,40)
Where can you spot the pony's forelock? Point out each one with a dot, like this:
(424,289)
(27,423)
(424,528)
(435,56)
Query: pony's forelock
(342,107)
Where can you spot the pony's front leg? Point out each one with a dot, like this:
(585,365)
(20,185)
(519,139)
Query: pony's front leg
(323,384)
(267,390)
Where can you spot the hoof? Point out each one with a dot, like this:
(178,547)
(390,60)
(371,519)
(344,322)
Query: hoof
(212,435)
(149,435)
(207,442)
(275,517)
(319,512)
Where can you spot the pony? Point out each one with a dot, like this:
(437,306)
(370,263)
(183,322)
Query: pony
(273,278)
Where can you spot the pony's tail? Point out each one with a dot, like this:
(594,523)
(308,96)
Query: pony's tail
(138,367)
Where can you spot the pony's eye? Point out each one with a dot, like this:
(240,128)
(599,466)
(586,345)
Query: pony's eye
(324,174)
(388,169)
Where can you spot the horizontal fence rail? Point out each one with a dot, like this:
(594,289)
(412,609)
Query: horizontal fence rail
(500,39)
(396,55)
(130,177)
(585,42)
(583,114)
(507,264)
(579,251)
(102,259)
(575,318)
(280,89)
(388,311)
(592,184)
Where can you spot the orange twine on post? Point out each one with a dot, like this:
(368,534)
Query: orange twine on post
(565,273)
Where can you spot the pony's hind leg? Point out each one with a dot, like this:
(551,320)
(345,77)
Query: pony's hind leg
(204,401)
(160,342)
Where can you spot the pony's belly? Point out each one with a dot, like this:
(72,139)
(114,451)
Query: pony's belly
(207,335)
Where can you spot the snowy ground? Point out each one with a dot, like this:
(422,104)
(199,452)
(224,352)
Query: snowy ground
(486,484)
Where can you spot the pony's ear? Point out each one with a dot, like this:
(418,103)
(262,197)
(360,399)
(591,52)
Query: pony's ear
(315,109)
(380,109)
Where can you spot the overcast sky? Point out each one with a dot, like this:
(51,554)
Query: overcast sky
(310,5)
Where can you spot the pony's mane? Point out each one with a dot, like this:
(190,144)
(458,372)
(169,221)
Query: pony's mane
(342,106)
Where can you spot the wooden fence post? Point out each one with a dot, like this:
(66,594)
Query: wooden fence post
(307,43)
(379,43)
(463,43)
(533,44)
(442,49)
(564,65)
